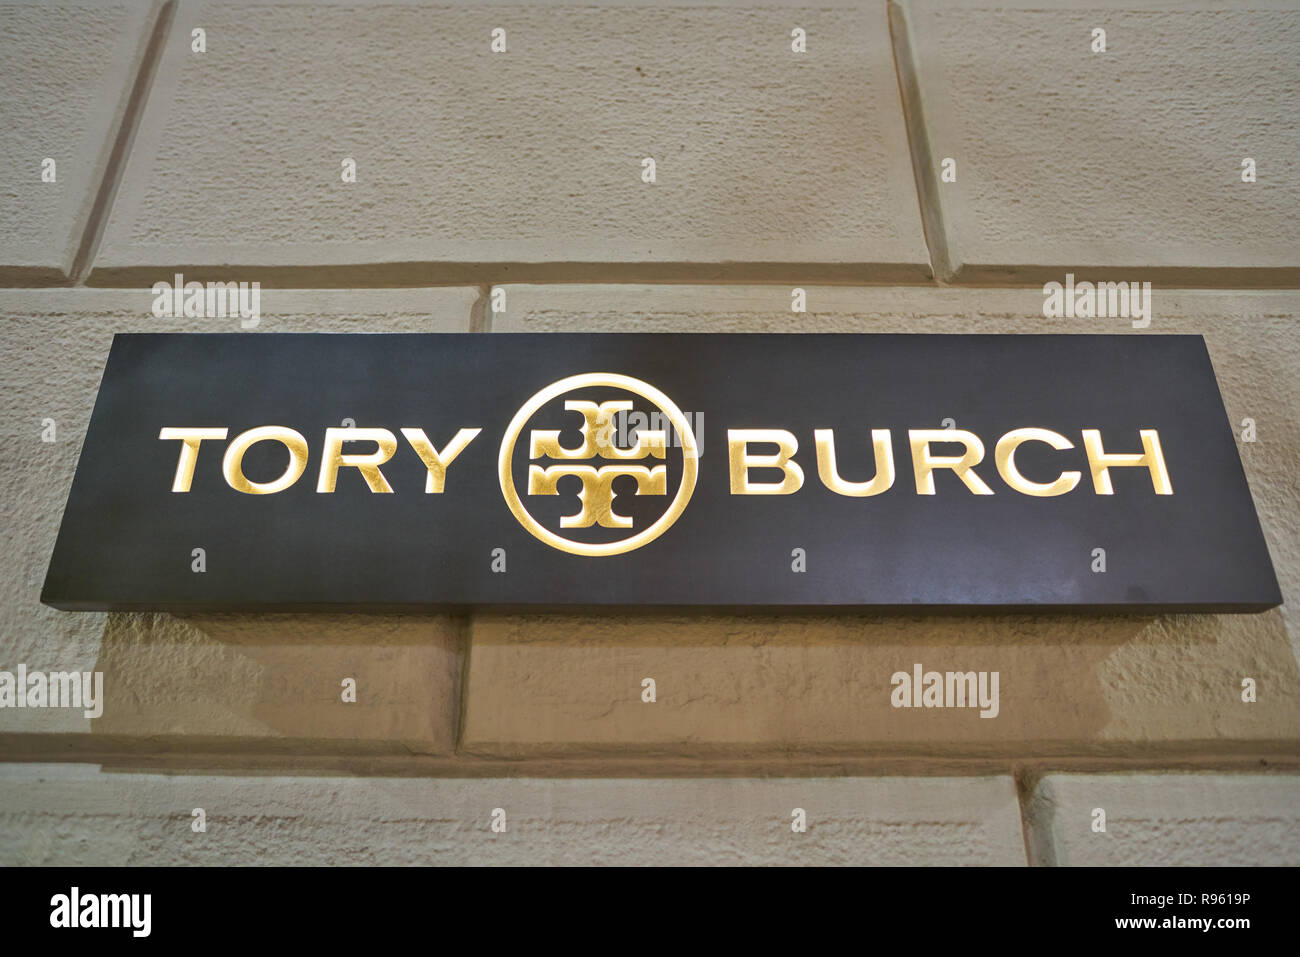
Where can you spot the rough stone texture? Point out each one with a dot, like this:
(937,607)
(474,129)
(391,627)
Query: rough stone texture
(78,815)
(211,681)
(1128,161)
(525,166)
(66,72)
(1166,819)
(1154,687)
(468,158)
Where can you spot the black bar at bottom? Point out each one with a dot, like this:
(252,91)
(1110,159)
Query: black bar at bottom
(975,906)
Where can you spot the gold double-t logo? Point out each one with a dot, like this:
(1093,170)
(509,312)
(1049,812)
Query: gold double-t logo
(597,494)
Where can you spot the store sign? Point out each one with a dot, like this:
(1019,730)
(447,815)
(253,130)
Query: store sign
(262,471)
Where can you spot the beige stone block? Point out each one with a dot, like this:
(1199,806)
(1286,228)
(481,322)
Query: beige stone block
(1125,164)
(751,685)
(80,815)
(66,71)
(1180,820)
(198,682)
(1156,687)
(526,163)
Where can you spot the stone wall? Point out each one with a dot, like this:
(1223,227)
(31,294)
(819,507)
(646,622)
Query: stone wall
(499,191)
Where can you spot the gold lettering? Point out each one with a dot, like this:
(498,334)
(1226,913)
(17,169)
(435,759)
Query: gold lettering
(1005,456)
(189,452)
(741,461)
(232,464)
(830,476)
(436,462)
(1100,461)
(367,465)
(924,464)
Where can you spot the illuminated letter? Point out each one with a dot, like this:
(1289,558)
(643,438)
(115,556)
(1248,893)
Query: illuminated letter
(1100,462)
(367,465)
(232,464)
(830,476)
(742,461)
(1005,455)
(924,464)
(189,452)
(436,462)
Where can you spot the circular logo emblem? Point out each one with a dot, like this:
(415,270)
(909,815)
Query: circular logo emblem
(607,452)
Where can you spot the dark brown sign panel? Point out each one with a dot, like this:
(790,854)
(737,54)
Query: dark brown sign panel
(1059,472)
